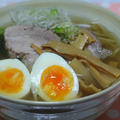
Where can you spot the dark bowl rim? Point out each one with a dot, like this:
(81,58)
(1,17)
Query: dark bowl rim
(77,100)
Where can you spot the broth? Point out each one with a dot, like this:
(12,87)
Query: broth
(113,46)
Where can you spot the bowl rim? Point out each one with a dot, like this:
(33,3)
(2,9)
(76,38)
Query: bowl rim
(77,100)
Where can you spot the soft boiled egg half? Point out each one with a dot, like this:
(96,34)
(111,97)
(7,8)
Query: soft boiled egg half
(53,79)
(14,78)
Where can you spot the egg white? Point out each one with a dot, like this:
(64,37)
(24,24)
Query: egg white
(44,61)
(15,63)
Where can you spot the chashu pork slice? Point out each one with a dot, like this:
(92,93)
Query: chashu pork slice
(18,41)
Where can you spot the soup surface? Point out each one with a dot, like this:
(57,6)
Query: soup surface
(66,57)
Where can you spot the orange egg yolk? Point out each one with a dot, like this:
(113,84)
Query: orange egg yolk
(11,80)
(56,82)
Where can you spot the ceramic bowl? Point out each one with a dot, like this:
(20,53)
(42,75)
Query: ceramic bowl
(86,108)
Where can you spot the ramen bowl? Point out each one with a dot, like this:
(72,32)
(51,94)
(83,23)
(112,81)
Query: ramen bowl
(86,108)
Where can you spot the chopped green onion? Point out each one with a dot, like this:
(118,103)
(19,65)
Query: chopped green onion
(67,31)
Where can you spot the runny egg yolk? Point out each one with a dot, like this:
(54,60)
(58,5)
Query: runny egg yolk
(11,80)
(56,82)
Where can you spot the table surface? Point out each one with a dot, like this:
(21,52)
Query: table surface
(114,5)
